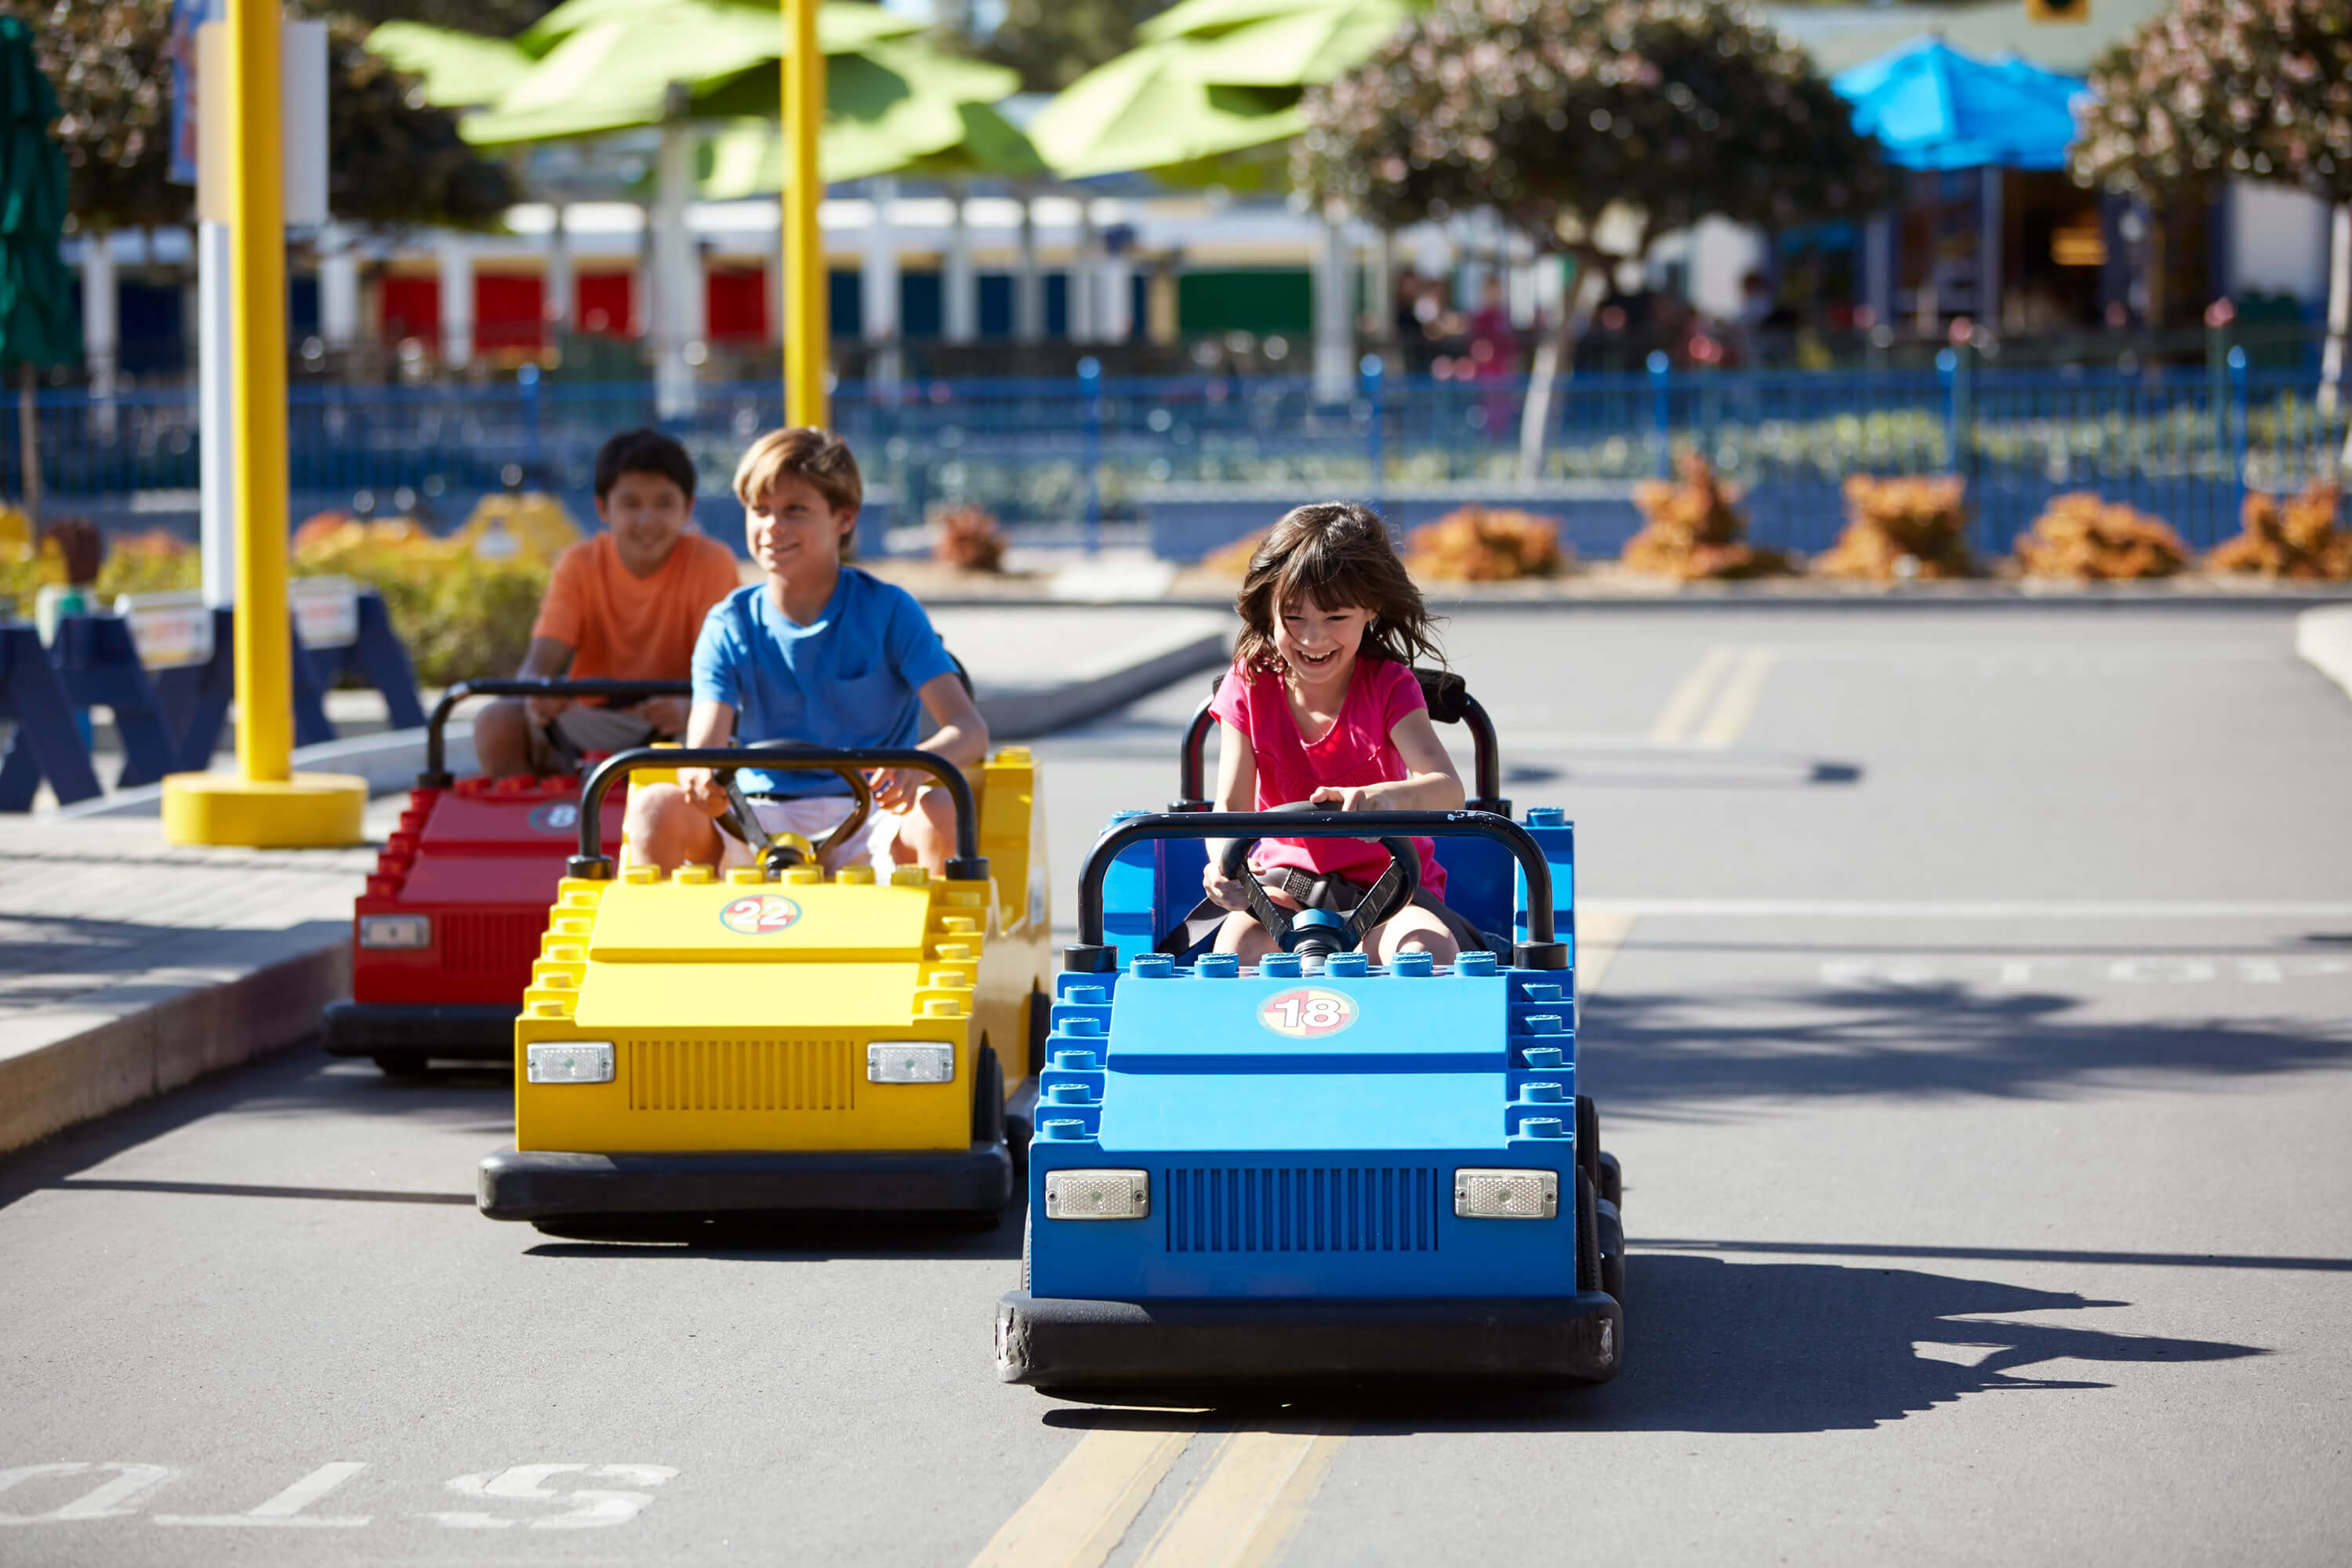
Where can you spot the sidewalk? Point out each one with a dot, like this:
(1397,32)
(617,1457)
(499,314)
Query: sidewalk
(127,968)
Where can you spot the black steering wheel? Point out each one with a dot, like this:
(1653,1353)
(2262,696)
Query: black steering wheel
(1320,934)
(745,822)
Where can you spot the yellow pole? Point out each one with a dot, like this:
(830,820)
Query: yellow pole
(806,302)
(266,803)
(257,265)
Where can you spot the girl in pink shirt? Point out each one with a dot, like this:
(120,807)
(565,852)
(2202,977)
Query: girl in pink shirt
(1322,705)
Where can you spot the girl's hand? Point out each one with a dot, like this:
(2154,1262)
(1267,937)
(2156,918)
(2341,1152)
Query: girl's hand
(703,790)
(895,788)
(1225,892)
(1352,797)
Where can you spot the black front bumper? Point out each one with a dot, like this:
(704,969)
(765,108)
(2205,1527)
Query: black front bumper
(417,1032)
(1049,1341)
(534,1185)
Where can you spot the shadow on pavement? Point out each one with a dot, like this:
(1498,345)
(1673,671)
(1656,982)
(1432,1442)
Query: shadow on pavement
(782,1240)
(1749,1347)
(1650,1051)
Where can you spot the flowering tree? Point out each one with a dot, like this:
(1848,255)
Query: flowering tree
(2220,90)
(1554,112)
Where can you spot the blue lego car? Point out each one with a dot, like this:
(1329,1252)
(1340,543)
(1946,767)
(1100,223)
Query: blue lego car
(1320,1169)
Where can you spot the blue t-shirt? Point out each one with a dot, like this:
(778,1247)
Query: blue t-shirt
(850,678)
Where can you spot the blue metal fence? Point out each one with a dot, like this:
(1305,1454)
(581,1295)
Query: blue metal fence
(2181,445)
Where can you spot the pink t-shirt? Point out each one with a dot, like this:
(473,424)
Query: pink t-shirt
(1356,751)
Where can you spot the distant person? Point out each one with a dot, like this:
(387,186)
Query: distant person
(1322,705)
(625,605)
(1494,340)
(818,652)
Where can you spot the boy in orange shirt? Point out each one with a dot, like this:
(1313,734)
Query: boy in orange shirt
(626,605)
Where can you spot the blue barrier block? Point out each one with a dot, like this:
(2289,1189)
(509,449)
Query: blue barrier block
(195,699)
(46,744)
(100,664)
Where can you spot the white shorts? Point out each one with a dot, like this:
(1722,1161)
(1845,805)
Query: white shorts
(813,817)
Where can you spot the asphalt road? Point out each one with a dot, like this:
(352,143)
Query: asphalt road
(1973,1020)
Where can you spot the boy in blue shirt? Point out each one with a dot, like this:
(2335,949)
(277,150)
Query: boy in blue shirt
(821,652)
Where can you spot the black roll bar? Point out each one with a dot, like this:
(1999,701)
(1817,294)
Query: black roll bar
(436,772)
(1091,956)
(1449,701)
(967,866)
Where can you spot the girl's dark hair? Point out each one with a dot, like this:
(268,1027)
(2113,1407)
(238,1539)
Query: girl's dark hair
(1338,554)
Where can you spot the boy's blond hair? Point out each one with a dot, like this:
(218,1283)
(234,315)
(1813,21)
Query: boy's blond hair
(802,452)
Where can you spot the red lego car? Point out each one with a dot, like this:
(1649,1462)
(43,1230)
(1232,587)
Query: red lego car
(444,938)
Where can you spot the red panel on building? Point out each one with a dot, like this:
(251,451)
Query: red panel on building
(738,304)
(508,311)
(412,308)
(604,302)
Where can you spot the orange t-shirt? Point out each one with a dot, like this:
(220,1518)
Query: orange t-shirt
(622,627)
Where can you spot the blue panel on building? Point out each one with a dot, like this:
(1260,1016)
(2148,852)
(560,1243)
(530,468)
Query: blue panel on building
(845,305)
(922,305)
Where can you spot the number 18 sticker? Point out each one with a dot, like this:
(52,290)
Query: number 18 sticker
(1308,1013)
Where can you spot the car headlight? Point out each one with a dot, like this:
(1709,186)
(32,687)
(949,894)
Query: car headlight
(377,932)
(1505,1195)
(909,1061)
(1098,1194)
(568,1061)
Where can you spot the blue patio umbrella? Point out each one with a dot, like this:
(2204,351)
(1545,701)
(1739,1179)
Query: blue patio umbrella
(1932,107)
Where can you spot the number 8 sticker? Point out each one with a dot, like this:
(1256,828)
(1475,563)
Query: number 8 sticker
(1308,1013)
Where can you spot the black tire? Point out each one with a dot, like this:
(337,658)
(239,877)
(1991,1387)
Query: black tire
(1588,1235)
(1588,1139)
(988,1099)
(1611,1185)
(1041,1029)
(1027,1228)
(1612,1251)
(401,1064)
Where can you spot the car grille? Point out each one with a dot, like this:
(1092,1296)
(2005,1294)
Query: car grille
(1377,1208)
(489,944)
(742,1075)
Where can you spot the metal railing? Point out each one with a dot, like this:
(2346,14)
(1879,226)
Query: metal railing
(2181,444)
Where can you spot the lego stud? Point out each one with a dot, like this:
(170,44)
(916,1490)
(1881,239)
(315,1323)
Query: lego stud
(1543,1024)
(958,925)
(1012,757)
(955,952)
(803,876)
(744,874)
(910,876)
(949,980)
(1548,1093)
(942,1007)
(1541,992)
(855,875)
(961,900)
(546,1009)
(1069,1094)
(1348,964)
(1542,1127)
(563,952)
(1064,1130)
(1089,1028)
(1415,962)
(1542,1056)
(1085,995)
(1547,817)
(1474,963)
(694,873)
(554,980)
(641,875)
(1074,1061)
(1152,965)
(1218,966)
(572,925)
(1279,966)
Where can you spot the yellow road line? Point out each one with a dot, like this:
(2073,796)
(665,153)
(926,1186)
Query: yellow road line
(1243,1512)
(1735,703)
(1683,708)
(1600,932)
(1078,1516)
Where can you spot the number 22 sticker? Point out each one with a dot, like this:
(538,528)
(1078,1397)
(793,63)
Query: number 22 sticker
(1308,1012)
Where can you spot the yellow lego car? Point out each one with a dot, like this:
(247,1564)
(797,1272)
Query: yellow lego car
(777,1042)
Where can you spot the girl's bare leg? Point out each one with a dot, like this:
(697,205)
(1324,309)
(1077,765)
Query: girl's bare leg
(1410,927)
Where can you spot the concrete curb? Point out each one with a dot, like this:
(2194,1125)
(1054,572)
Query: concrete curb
(1025,715)
(2323,638)
(389,760)
(127,1043)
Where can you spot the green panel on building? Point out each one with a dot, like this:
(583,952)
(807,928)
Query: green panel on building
(1251,300)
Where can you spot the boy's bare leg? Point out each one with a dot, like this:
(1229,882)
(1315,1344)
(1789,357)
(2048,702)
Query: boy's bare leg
(926,834)
(502,738)
(1409,928)
(664,829)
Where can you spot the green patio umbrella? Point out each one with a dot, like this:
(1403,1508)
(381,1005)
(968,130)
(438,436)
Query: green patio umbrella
(1299,48)
(37,323)
(458,69)
(1152,109)
(887,112)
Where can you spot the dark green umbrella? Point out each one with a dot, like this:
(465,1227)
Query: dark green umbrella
(37,324)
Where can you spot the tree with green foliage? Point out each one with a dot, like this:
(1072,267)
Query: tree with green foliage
(1552,113)
(2215,90)
(393,162)
(1052,43)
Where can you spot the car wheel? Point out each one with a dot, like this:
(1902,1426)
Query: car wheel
(988,1099)
(1026,1228)
(1588,1139)
(1613,1251)
(1588,1235)
(1610,1184)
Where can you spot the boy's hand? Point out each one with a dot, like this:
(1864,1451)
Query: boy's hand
(1225,892)
(666,714)
(1352,797)
(895,788)
(703,790)
(543,710)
